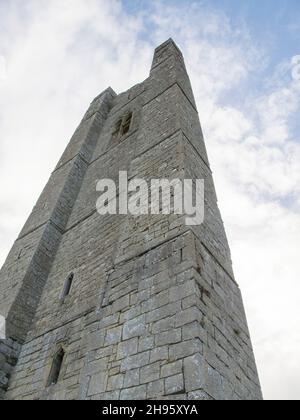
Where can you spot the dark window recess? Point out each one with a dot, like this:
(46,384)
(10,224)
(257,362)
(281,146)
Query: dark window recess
(122,127)
(67,286)
(126,124)
(56,368)
(117,129)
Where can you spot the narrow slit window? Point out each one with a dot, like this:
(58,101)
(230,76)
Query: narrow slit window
(56,368)
(126,124)
(68,286)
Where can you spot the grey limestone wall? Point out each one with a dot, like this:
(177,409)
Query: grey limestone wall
(27,267)
(154,310)
(9,352)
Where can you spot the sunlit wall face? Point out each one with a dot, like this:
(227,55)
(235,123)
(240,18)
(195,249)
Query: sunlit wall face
(55,57)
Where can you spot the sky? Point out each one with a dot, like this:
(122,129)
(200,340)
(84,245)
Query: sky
(243,58)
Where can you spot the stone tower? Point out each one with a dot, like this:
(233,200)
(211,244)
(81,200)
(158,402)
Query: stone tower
(124,307)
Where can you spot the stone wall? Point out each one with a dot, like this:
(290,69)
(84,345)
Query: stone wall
(25,272)
(9,352)
(154,310)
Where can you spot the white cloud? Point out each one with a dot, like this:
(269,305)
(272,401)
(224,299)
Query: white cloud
(59,54)
(296,67)
(2,68)
(229,124)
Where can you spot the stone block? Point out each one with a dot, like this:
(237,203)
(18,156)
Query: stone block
(168,337)
(127,348)
(97,384)
(150,373)
(155,389)
(137,361)
(159,353)
(113,336)
(136,327)
(115,383)
(135,393)
(174,384)
(132,378)
(171,369)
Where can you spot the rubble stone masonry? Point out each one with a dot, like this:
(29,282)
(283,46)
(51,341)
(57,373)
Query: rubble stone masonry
(154,311)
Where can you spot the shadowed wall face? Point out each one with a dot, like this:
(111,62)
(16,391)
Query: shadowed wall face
(153,310)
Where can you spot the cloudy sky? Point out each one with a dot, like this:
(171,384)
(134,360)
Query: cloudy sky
(244,61)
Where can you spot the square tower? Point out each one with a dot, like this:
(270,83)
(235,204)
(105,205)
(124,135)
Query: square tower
(123,306)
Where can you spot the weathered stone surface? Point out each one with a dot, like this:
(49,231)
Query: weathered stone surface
(155,389)
(135,327)
(154,310)
(146,343)
(136,393)
(150,373)
(132,378)
(174,384)
(97,384)
(159,353)
(115,382)
(127,348)
(171,369)
(137,361)
(113,336)
(194,372)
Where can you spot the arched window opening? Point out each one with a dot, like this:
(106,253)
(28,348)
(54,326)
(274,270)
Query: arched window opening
(56,368)
(67,286)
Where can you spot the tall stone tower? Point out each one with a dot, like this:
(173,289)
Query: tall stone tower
(126,307)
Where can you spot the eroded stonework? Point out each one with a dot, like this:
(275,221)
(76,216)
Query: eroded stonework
(154,310)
